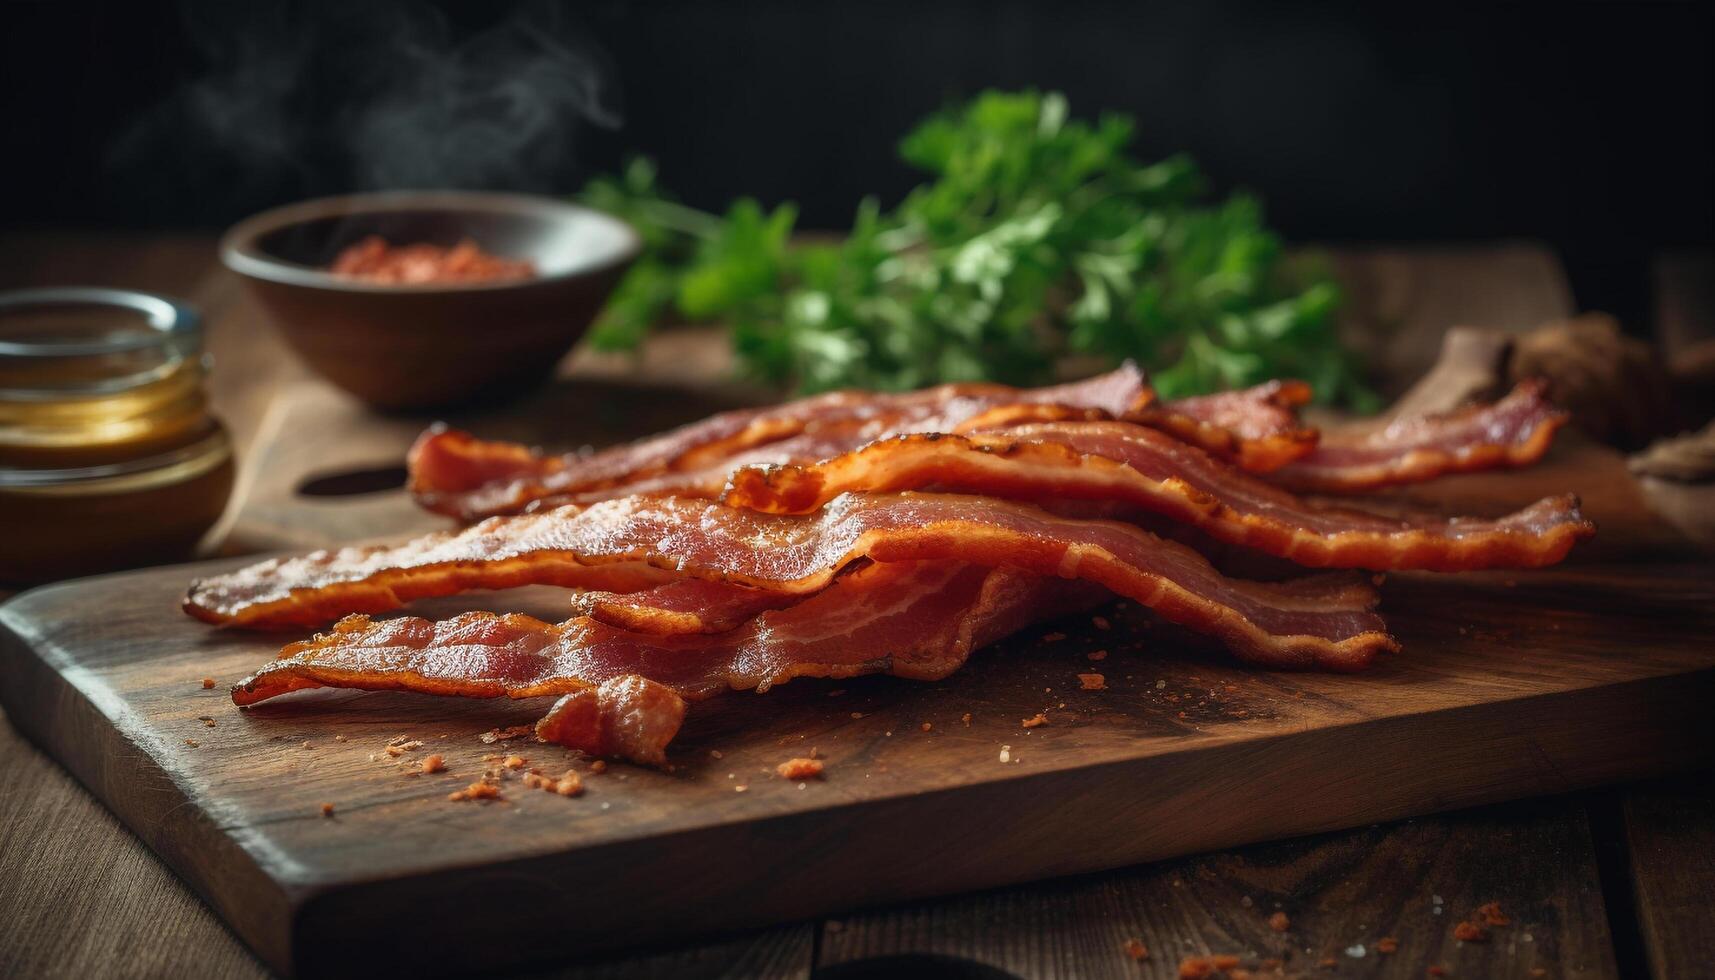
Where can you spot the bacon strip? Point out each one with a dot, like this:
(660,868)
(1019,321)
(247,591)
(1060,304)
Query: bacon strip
(689,605)
(1114,461)
(623,691)
(1515,431)
(1312,622)
(456,474)
(1257,428)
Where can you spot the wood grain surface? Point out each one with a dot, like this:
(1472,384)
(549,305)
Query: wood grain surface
(95,901)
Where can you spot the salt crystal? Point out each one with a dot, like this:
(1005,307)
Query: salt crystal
(1355,952)
(1160,684)
(1006,753)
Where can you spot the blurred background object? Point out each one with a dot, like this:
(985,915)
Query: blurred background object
(1586,126)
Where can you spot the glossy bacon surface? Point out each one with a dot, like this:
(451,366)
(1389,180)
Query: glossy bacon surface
(689,605)
(916,620)
(1115,461)
(1314,622)
(1258,428)
(1515,431)
(459,475)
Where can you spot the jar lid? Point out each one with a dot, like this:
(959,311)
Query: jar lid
(86,341)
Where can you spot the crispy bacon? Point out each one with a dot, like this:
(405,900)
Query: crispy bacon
(915,620)
(1515,431)
(1114,461)
(456,474)
(1313,622)
(689,605)
(1258,428)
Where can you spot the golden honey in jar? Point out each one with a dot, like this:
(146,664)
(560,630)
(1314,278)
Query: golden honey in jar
(109,457)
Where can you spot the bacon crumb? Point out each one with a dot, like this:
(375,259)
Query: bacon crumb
(327,809)
(306,743)
(1055,637)
(1093,682)
(206,722)
(1198,967)
(739,789)
(1470,932)
(397,748)
(928,727)
(1537,971)
(1036,721)
(514,762)
(1387,944)
(714,753)
(598,767)
(966,718)
(1097,655)
(476,791)
(571,784)
(1135,949)
(193,743)
(1100,621)
(1279,922)
(494,735)
(856,715)
(796,769)
(434,763)
(1328,962)
(340,738)
(1492,915)
(208,683)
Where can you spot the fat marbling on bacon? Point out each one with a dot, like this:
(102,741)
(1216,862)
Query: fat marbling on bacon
(1312,622)
(459,475)
(1114,461)
(623,692)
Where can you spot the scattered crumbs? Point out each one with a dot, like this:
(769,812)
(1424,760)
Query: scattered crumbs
(341,738)
(476,791)
(599,766)
(1097,655)
(1198,967)
(739,789)
(1101,622)
(397,748)
(206,722)
(1387,945)
(1053,637)
(327,809)
(856,715)
(1135,949)
(1005,752)
(208,683)
(1160,684)
(434,763)
(815,753)
(399,740)
(1328,962)
(1093,682)
(1036,721)
(514,762)
(928,727)
(606,805)
(888,734)
(802,785)
(714,753)
(193,743)
(796,769)
(1527,937)
(503,734)
(1492,915)
(1279,922)
(306,743)
(1355,951)
(966,718)
(571,784)
(1470,932)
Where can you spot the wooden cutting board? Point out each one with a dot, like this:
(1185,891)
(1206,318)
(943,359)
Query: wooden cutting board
(1510,685)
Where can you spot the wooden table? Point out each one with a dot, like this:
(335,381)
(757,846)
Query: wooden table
(1612,883)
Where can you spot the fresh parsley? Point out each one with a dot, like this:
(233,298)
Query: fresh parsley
(1037,238)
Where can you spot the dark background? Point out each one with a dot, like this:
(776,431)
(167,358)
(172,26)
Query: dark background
(1587,126)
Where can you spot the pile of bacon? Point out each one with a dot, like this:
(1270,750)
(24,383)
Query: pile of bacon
(855,533)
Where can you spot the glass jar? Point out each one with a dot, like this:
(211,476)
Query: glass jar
(109,457)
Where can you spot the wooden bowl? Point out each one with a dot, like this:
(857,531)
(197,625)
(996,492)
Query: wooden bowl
(438,344)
